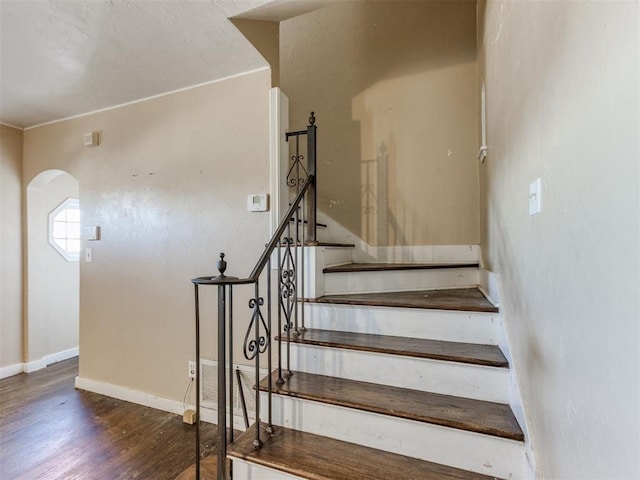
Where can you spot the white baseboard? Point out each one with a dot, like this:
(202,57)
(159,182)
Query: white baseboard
(489,286)
(60,356)
(209,415)
(11,370)
(38,364)
(492,288)
(129,395)
(50,359)
(35,365)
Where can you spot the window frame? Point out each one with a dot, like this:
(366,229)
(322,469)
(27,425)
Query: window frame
(64,205)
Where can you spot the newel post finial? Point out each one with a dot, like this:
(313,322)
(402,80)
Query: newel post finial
(222,265)
(312,119)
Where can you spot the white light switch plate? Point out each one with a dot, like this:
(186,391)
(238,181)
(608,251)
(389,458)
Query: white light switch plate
(88,255)
(91,232)
(535,197)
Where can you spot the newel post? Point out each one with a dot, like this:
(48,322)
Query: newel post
(225,303)
(222,381)
(311,165)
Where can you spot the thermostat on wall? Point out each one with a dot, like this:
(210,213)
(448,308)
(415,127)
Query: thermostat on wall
(258,202)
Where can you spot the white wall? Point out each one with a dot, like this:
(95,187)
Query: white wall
(11,354)
(562,91)
(53,303)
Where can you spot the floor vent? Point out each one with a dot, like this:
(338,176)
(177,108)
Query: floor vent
(209,387)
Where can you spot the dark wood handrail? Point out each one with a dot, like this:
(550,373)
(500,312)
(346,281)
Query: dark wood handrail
(266,254)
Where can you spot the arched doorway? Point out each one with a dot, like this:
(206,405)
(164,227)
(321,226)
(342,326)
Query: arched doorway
(53,273)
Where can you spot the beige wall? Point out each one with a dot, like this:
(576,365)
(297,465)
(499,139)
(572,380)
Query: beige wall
(393,88)
(52,292)
(562,93)
(265,37)
(10,246)
(168,187)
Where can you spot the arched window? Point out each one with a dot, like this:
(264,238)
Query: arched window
(64,229)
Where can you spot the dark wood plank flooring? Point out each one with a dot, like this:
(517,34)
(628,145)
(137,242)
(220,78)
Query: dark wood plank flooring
(463,299)
(489,355)
(381,267)
(320,458)
(51,431)
(463,413)
(208,469)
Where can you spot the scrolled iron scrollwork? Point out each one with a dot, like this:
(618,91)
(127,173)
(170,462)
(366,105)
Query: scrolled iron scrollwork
(254,346)
(294,175)
(287,280)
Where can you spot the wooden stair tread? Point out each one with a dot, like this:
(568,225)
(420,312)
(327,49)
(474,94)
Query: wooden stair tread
(488,355)
(316,457)
(479,416)
(329,244)
(293,220)
(311,243)
(376,267)
(463,299)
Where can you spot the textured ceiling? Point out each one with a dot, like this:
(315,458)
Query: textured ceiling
(63,58)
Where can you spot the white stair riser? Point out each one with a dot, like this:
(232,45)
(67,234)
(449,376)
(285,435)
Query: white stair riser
(399,280)
(337,255)
(469,327)
(450,378)
(476,452)
(251,471)
(309,271)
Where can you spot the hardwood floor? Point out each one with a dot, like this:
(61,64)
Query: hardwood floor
(49,430)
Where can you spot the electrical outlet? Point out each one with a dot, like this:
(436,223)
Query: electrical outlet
(192,369)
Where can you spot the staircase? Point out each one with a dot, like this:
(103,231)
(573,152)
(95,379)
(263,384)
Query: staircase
(376,370)
(404,383)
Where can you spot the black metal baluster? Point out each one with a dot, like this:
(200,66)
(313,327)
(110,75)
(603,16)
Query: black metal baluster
(257,443)
(311,171)
(197,301)
(298,160)
(222,386)
(269,379)
(289,293)
(280,380)
(301,296)
(242,400)
(295,276)
(231,364)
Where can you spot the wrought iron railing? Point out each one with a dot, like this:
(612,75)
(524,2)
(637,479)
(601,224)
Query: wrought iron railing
(296,230)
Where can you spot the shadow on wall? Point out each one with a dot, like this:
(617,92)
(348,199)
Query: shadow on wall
(394,75)
(52,281)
